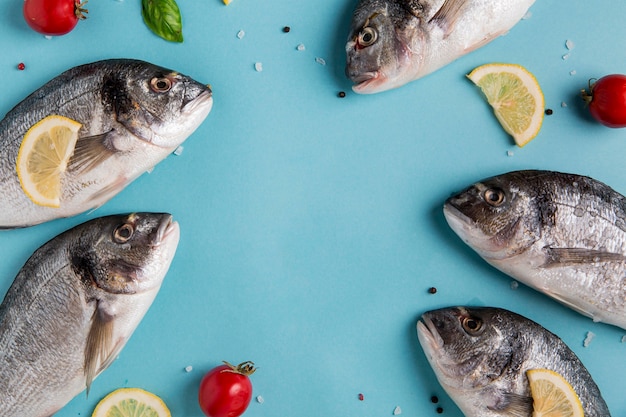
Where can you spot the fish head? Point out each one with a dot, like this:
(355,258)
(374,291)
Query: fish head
(379,50)
(477,356)
(157,105)
(126,254)
(496,217)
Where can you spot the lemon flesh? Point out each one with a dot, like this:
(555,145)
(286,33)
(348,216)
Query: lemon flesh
(131,402)
(552,395)
(515,96)
(43,156)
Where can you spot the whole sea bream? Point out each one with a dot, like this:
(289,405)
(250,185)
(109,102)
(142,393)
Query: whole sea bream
(133,115)
(393,42)
(562,234)
(481,356)
(73,306)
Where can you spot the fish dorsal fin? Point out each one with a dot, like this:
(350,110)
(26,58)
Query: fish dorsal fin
(99,351)
(571,256)
(89,152)
(515,405)
(448,14)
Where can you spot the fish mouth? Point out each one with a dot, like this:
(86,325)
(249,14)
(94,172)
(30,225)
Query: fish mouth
(488,247)
(202,102)
(368,82)
(433,346)
(457,220)
(428,336)
(467,230)
(168,230)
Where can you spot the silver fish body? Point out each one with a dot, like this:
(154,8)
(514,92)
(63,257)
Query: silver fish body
(393,42)
(73,306)
(481,355)
(133,115)
(561,234)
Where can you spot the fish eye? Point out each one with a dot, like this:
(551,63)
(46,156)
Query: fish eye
(494,197)
(471,325)
(123,233)
(160,84)
(367,36)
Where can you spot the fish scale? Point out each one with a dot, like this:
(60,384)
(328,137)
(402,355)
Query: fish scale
(393,42)
(128,126)
(483,367)
(558,233)
(66,316)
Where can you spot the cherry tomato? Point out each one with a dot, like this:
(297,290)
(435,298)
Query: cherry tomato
(607,100)
(226,390)
(53,17)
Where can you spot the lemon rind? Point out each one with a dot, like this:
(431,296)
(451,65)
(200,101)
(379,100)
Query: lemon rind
(561,384)
(138,394)
(536,122)
(27,146)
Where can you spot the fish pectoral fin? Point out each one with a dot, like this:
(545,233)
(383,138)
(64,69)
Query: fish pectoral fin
(514,405)
(484,41)
(571,304)
(557,257)
(89,152)
(99,351)
(448,14)
(109,190)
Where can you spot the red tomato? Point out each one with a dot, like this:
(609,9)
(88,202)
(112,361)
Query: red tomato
(607,100)
(53,17)
(225,391)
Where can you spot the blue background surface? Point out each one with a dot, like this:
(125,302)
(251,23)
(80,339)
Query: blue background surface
(311,225)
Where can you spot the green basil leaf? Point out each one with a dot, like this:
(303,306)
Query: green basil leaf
(163,18)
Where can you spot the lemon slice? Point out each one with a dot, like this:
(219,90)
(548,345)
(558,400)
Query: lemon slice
(131,402)
(552,395)
(515,96)
(43,156)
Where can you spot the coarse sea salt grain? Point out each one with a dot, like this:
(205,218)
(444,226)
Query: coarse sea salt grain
(565,57)
(588,338)
(178,151)
(509,153)
(241,34)
(188,368)
(514,285)
(569,44)
(623,339)
(260,399)
(572,72)
(320,61)
(563,104)
(397,411)
(301,47)
(48,37)
(528,15)
(258,66)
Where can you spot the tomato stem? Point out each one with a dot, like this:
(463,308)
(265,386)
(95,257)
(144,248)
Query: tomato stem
(244,368)
(80,11)
(588,96)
